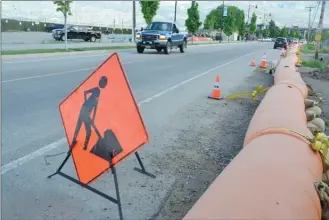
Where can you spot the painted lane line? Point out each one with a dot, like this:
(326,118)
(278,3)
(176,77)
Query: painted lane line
(19,162)
(57,73)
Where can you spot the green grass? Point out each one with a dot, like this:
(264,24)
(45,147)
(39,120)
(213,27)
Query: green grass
(310,48)
(314,64)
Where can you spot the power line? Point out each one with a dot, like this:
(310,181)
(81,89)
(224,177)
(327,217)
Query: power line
(309,21)
(315,12)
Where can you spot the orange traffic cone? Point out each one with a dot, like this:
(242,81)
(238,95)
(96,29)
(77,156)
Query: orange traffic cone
(216,91)
(282,52)
(263,62)
(253,62)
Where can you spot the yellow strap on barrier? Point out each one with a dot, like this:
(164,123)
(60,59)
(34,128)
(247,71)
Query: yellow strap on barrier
(254,94)
(319,143)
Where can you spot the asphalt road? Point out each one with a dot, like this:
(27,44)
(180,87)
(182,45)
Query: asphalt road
(163,85)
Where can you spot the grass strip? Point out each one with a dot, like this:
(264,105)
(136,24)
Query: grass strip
(310,48)
(314,64)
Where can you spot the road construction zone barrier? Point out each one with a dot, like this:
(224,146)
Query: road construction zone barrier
(274,175)
(200,38)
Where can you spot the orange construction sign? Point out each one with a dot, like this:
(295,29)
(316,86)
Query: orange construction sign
(101,118)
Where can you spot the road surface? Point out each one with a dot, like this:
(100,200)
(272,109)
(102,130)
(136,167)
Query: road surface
(164,86)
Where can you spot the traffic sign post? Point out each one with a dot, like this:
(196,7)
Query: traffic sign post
(113,127)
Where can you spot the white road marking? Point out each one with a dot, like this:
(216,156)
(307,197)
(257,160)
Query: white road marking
(58,73)
(19,162)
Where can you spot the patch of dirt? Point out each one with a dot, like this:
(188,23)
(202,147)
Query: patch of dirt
(315,73)
(201,150)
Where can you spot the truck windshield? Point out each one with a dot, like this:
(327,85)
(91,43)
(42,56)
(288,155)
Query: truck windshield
(159,26)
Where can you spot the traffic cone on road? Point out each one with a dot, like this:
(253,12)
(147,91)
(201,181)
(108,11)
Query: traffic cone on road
(253,62)
(263,62)
(282,52)
(216,91)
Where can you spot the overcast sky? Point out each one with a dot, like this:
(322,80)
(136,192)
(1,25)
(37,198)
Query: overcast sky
(105,12)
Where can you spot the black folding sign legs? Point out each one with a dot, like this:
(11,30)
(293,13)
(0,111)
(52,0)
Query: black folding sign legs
(142,169)
(117,201)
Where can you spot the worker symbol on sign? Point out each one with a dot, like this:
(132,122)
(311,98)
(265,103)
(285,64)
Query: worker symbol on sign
(104,146)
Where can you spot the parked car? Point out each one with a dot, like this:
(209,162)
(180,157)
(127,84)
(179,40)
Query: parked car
(295,41)
(75,32)
(281,42)
(161,36)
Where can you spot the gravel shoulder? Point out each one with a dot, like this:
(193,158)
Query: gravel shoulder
(201,150)
(319,81)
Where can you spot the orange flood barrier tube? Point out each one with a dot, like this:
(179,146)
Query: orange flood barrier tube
(273,176)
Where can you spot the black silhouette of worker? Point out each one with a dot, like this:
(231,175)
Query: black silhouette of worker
(107,146)
(88,107)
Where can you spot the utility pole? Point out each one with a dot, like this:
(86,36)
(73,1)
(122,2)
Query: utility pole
(309,22)
(319,32)
(175,11)
(134,22)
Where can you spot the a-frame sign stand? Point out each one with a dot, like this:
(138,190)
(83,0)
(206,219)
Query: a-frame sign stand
(117,201)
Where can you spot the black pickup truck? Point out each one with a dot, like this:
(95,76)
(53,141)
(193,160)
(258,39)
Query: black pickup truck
(161,36)
(75,32)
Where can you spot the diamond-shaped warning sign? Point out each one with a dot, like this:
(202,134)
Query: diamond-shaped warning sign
(101,118)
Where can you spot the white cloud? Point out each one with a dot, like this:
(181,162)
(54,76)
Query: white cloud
(105,12)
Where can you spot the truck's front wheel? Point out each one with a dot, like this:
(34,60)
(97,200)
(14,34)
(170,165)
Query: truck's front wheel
(183,47)
(140,49)
(167,49)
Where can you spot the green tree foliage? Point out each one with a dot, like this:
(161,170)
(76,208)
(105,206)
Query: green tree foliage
(253,21)
(65,8)
(229,22)
(258,33)
(272,29)
(265,33)
(234,21)
(242,26)
(284,32)
(192,22)
(209,22)
(325,35)
(149,9)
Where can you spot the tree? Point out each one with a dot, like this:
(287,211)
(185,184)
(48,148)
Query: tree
(229,22)
(192,22)
(149,9)
(253,21)
(265,33)
(284,32)
(293,33)
(258,32)
(325,35)
(272,29)
(65,8)
(209,23)
(242,26)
